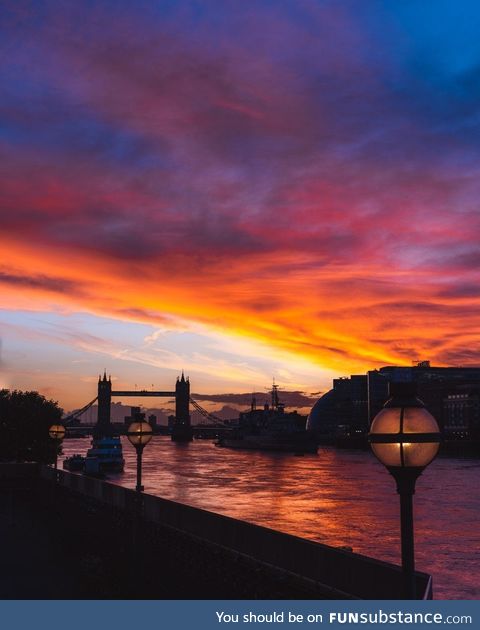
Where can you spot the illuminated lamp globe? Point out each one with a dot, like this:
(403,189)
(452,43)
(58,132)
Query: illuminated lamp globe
(404,435)
(57,432)
(139,433)
(405,438)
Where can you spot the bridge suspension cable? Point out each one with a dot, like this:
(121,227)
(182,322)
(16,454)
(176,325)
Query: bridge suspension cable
(207,415)
(75,414)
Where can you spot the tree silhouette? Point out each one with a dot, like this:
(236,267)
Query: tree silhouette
(25,418)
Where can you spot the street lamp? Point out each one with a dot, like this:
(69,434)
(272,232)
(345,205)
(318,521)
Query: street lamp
(57,433)
(139,434)
(405,437)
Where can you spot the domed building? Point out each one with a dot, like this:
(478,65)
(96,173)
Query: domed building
(340,410)
(347,409)
(322,417)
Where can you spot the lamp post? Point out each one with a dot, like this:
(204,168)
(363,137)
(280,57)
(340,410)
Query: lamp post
(57,433)
(139,434)
(405,437)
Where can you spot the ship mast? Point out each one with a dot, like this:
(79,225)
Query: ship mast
(274,395)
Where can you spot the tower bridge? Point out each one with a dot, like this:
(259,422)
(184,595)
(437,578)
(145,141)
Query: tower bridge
(182,430)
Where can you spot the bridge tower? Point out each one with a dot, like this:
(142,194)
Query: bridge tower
(104,400)
(182,431)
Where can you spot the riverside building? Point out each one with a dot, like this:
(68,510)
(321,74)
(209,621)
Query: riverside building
(451,394)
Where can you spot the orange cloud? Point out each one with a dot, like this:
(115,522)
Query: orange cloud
(276,179)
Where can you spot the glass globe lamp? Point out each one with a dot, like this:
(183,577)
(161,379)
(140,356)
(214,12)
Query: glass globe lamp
(405,437)
(404,434)
(57,432)
(139,434)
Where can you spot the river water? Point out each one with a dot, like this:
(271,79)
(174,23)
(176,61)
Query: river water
(338,497)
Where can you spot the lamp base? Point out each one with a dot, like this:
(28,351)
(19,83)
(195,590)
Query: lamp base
(405,477)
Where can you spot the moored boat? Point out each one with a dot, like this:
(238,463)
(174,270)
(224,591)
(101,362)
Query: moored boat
(74,462)
(271,429)
(107,453)
(104,455)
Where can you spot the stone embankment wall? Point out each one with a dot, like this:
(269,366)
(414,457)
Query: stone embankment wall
(78,537)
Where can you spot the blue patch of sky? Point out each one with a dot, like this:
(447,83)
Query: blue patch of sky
(26,350)
(63,330)
(43,118)
(443,32)
(51,323)
(429,54)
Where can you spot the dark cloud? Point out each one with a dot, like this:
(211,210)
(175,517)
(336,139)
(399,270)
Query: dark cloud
(44,283)
(300,162)
(172,144)
(460,355)
(462,290)
(290,398)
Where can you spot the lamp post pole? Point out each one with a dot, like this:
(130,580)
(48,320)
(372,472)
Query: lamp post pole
(139,448)
(57,433)
(139,435)
(406,490)
(405,438)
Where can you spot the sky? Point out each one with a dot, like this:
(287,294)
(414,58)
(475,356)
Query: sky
(243,190)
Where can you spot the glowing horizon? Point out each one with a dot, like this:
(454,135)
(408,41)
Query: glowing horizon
(290,190)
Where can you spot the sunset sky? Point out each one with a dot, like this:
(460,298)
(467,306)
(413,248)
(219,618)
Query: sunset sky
(242,189)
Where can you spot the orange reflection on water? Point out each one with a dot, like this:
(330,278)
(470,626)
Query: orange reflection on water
(339,498)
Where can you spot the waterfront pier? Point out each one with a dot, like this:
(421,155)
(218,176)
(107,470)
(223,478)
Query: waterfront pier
(73,536)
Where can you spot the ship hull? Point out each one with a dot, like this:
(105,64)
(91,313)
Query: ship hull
(95,465)
(105,455)
(260,443)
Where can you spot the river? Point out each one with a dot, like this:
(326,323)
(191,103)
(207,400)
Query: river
(338,497)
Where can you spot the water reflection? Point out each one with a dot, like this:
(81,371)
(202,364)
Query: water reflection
(340,498)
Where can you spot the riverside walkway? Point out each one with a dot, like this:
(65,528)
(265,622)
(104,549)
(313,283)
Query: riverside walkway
(76,537)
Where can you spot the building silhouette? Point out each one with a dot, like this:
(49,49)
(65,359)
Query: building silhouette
(451,394)
(104,401)
(181,429)
(461,414)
